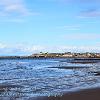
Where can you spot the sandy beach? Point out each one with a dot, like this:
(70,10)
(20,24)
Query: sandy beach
(88,94)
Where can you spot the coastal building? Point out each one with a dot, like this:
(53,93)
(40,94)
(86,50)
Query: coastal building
(68,55)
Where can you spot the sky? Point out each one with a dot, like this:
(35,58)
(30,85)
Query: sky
(33,26)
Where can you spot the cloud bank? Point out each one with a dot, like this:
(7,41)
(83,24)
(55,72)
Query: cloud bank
(22,49)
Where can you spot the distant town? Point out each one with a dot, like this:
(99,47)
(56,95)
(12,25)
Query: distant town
(56,55)
(68,55)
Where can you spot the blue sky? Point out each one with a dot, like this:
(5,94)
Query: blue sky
(30,26)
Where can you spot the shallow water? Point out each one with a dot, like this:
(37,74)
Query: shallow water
(45,77)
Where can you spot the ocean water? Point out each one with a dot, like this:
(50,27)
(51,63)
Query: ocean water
(45,77)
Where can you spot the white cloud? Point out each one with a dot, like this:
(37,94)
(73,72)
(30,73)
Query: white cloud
(15,11)
(13,20)
(82,36)
(80,48)
(8,7)
(2,45)
(30,49)
(90,13)
(69,27)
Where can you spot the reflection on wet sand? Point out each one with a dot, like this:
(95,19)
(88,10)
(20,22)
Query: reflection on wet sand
(70,67)
(85,60)
(10,91)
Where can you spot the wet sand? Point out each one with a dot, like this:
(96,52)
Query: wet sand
(88,94)
(85,60)
(70,67)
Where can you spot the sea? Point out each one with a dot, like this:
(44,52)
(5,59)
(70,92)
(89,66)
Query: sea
(26,78)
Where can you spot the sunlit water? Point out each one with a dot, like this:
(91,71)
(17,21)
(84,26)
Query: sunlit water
(45,77)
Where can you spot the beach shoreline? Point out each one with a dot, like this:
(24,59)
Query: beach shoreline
(85,94)
(81,94)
